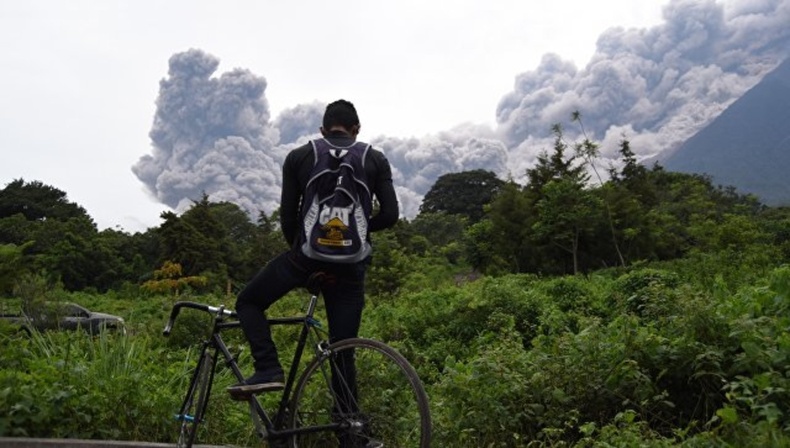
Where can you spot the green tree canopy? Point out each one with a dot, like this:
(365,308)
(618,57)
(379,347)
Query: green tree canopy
(12,266)
(218,240)
(464,193)
(59,236)
(37,201)
(193,240)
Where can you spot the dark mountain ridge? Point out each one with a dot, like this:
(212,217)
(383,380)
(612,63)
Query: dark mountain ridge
(748,145)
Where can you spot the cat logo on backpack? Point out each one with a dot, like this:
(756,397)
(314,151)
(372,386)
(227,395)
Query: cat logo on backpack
(335,228)
(337,204)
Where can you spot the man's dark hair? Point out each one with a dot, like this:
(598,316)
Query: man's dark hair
(340,113)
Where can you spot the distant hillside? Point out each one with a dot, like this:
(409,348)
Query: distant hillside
(748,145)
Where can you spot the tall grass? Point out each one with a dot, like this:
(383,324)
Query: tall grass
(68,384)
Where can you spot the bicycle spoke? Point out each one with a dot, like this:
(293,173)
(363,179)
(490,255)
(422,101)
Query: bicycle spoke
(388,404)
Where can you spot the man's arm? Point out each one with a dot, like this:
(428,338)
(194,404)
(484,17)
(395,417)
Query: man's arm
(289,199)
(384,191)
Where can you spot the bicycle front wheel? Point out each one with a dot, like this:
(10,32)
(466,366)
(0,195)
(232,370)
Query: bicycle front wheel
(366,393)
(194,407)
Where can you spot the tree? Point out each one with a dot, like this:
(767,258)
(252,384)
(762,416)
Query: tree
(481,251)
(588,151)
(61,238)
(191,241)
(15,229)
(236,235)
(387,273)
(217,240)
(632,173)
(269,241)
(133,256)
(12,266)
(629,195)
(776,222)
(464,194)
(511,214)
(561,206)
(437,230)
(567,213)
(555,166)
(552,217)
(29,208)
(170,279)
(36,201)
(70,250)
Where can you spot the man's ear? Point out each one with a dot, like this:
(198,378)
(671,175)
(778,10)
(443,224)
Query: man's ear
(355,129)
(323,132)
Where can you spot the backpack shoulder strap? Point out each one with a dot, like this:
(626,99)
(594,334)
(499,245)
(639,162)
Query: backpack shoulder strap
(323,148)
(323,145)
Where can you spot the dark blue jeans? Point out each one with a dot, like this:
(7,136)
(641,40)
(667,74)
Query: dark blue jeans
(344,298)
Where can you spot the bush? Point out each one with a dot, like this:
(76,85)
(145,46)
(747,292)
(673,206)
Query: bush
(648,293)
(67,384)
(644,358)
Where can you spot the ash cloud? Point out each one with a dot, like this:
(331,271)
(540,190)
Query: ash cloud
(656,86)
(300,122)
(418,162)
(212,135)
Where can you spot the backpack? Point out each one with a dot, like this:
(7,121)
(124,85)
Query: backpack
(337,204)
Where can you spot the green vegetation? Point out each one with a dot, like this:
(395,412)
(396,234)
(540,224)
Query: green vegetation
(650,309)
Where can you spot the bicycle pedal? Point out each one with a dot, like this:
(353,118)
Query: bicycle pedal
(240,397)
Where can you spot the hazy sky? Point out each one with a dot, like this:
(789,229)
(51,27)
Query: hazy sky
(79,80)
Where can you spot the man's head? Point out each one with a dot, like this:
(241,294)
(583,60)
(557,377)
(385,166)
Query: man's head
(341,115)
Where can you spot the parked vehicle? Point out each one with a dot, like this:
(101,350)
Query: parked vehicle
(65,316)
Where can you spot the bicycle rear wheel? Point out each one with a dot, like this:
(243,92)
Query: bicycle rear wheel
(194,407)
(385,406)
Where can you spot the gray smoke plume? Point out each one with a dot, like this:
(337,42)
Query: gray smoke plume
(417,163)
(212,135)
(655,86)
(300,121)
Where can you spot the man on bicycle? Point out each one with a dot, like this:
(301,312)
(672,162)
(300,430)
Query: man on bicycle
(344,292)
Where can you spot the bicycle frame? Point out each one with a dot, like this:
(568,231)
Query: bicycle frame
(273,427)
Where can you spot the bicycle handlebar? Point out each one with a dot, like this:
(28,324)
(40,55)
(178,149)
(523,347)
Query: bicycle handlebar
(197,306)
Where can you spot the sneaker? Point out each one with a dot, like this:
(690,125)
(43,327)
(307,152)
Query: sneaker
(260,381)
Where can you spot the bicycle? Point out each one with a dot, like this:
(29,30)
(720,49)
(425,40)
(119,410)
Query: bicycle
(386,405)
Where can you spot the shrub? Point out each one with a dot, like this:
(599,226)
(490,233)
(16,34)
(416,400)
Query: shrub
(648,293)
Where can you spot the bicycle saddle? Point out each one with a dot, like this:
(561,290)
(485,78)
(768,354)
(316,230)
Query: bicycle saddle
(318,279)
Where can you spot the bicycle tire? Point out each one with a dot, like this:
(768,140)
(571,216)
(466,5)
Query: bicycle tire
(390,405)
(196,400)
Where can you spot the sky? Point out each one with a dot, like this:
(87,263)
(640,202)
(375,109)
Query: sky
(136,107)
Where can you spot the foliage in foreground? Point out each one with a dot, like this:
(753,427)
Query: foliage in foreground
(621,358)
(514,360)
